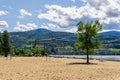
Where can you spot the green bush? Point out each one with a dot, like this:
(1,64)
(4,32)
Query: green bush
(28,52)
(37,51)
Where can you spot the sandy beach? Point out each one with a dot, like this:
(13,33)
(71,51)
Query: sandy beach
(37,68)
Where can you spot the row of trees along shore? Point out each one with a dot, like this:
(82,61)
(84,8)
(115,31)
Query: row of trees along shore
(6,48)
(87,41)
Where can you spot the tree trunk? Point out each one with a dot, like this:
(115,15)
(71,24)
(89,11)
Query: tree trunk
(87,57)
(6,54)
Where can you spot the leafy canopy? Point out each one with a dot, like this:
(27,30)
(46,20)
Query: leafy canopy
(87,33)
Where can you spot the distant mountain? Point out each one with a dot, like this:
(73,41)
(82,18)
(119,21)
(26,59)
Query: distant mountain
(110,39)
(38,31)
(111,33)
(49,38)
(32,32)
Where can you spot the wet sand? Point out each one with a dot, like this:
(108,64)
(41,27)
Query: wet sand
(37,68)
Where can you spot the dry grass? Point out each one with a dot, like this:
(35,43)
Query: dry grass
(35,68)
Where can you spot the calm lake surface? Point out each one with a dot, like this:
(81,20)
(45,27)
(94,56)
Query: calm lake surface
(98,57)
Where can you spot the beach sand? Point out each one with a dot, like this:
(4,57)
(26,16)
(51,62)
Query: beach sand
(38,68)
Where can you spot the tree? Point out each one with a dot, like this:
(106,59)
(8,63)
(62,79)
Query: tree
(35,43)
(37,51)
(6,43)
(0,43)
(19,52)
(53,50)
(87,37)
(69,49)
(28,52)
(43,53)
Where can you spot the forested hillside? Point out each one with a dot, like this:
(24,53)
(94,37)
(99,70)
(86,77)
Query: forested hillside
(51,40)
(44,37)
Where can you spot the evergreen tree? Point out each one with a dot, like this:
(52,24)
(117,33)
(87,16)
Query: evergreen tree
(35,43)
(0,43)
(34,47)
(6,43)
(87,39)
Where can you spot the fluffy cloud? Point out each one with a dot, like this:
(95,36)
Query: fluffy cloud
(3,25)
(103,9)
(24,13)
(72,30)
(3,13)
(49,26)
(107,11)
(60,15)
(23,27)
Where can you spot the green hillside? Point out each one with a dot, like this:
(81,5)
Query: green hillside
(52,40)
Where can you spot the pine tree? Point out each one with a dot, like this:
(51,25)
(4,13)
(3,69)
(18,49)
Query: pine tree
(6,43)
(35,43)
(0,43)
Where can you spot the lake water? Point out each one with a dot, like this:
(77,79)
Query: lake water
(98,57)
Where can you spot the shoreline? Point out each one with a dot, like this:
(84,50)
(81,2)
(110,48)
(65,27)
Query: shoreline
(91,57)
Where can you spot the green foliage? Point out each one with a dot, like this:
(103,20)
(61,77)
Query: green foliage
(19,52)
(59,39)
(37,51)
(35,43)
(68,47)
(87,39)
(43,53)
(0,43)
(54,50)
(28,52)
(114,50)
(51,39)
(23,40)
(6,43)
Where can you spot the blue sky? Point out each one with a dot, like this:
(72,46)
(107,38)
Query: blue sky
(57,15)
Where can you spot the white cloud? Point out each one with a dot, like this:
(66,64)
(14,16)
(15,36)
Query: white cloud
(3,24)
(49,26)
(60,15)
(52,25)
(3,13)
(103,9)
(24,13)
(44,26)
(73,0)
(109,30)
(72,30)
(107,11)
(23,27)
